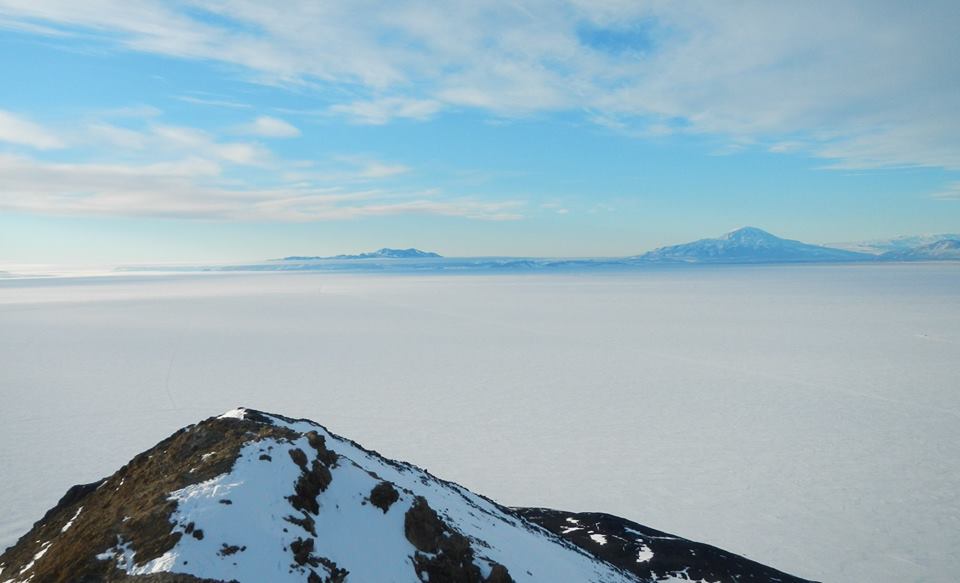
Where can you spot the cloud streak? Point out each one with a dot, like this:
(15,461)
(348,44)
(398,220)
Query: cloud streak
(950,192)
(863,84)
(167,171)
(192,189)
(270,127)
(18,130)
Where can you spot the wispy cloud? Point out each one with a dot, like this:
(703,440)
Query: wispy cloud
(213,102)
(116,136)
(950,192)
(131,112)
(176,171)
(383,110)
(193,189)
(374,169)
(865,84)
(15,129)
(270,127)
(555,207)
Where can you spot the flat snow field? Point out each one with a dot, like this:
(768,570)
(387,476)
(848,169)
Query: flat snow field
(807,417)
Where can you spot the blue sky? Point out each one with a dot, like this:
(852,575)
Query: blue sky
(145,131)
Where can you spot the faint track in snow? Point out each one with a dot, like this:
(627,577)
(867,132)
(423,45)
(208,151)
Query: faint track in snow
(178,343)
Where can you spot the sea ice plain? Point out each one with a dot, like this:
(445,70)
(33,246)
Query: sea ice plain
(807,417)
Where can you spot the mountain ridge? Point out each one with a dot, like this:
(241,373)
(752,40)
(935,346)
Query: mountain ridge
(251,496)
(384,253)
(898,243)
(941,250)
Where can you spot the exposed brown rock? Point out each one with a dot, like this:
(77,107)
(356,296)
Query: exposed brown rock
(306,522)
(336,574)
(499,574)
(302,550)
(309,485)
(299,458)
(422,527)
(383,496)
(450,558)
(131,506)
(227,550)
(319,443)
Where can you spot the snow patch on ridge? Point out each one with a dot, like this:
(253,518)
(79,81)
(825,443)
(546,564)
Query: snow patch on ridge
(644,554)
(238,413)
(69,523)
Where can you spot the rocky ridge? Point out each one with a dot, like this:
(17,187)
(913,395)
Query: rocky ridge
(250,496)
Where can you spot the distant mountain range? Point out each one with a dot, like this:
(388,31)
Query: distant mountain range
(745,246)
(384,253)
(946,249)
(749,245)
(902,243)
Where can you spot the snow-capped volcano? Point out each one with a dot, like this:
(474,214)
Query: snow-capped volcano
(256,497)
(749,245)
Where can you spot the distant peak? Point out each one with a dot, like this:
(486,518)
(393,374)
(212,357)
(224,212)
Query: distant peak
(411,252)
(749,245)
(745,233)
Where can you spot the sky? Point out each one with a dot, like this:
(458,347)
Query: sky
(141,131)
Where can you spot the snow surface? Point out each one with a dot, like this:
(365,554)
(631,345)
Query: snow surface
(804,416)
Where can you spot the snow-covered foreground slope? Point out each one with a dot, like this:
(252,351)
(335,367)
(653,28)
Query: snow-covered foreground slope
(805,417)
(253,497)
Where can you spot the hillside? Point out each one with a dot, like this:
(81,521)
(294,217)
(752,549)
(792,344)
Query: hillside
(251,497)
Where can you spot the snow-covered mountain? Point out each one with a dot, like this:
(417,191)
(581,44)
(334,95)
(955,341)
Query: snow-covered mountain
(384,253)
(256,497)
(946,249)
(748,245)
(902,243)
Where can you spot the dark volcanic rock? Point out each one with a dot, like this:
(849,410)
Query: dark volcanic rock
(648,553)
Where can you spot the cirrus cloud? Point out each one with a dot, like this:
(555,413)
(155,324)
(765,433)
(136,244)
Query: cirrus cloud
(270,127)
(15,129)
(195,189)
(863,84)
